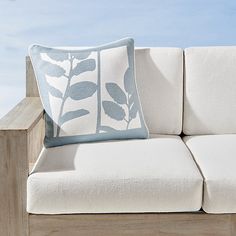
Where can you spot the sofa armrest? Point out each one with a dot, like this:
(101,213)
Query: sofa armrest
(21,139)
(23,116)
(26,117)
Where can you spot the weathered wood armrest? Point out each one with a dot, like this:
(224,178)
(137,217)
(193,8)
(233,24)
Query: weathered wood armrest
(21,139)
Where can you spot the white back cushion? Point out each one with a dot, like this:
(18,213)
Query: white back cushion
(210,90)
(159,75)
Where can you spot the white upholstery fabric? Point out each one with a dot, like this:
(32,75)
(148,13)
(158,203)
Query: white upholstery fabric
(153,175)
(159,77)
(210,85)
(216,157)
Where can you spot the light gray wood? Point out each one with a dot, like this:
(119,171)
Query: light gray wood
(31,85)
(18,141)
(35,141)
(14,219)
(4,215)
(233,224)
(167,224)
(23,115)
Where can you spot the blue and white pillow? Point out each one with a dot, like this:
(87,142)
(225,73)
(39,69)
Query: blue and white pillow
(89,94)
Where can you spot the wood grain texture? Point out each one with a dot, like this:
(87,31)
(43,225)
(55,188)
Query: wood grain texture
(169,224)
(233,224)
(4,204)
(23,116)
(14,219)
(21,132)
(35,141)
(31,85)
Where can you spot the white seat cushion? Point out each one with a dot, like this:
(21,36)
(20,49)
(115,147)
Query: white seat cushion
(210,85)
(153,175)
(216,157)
(159,76)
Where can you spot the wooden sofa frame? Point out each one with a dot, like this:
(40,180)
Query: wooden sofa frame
(21,139)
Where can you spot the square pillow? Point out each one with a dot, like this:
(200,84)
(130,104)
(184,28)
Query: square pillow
(89,94)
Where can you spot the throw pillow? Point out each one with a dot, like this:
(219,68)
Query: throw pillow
(88,94)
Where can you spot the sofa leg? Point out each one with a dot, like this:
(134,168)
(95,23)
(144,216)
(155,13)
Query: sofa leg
(13,177)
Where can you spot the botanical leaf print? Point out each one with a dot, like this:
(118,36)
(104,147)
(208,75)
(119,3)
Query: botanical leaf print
(132,99)
(82,55)
(88,94)
(133,111)
(83,66)
(113,110)
(73,114)
(128,81)
(116,93)
(107,128)
(78,91)
(55,92)
(52,69)
(119,96)
(82,90)
(58,56)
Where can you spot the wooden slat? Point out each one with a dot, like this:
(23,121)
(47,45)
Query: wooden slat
(23,116)
(35,141)
(233,224)
(14,173)
(4,204)
(21,136)
(31,85)
(169,224)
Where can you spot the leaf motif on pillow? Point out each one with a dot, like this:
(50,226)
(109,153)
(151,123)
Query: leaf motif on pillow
(107,128)
(84,66)
(127,98)
(81,55)
(52,69)
(73,114)
(58,56)
(113,110)
(82,90)
(55,92)
(116,93)
(133,111)
(77,91)
(128,82)
(131,99)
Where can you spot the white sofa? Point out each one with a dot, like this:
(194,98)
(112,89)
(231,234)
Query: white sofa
(164,173)
(187,165)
